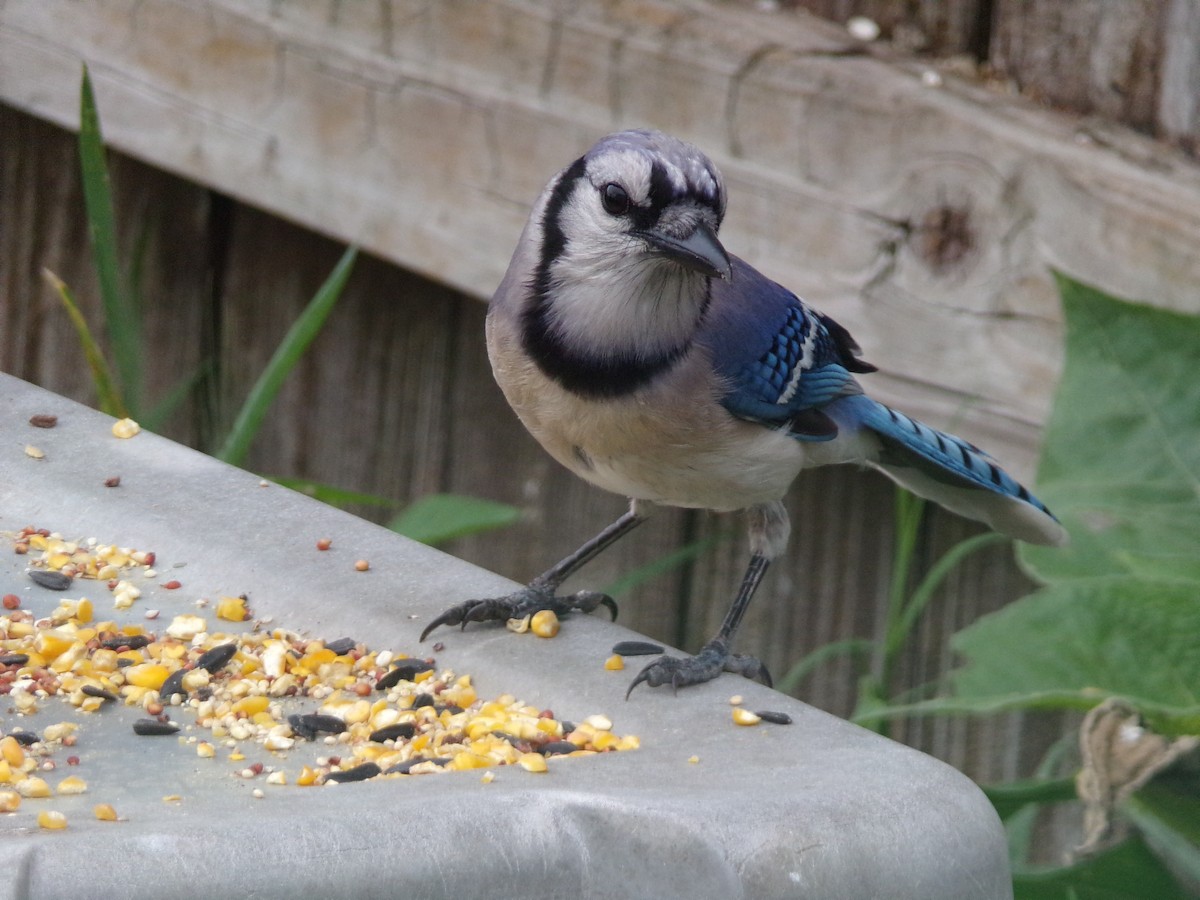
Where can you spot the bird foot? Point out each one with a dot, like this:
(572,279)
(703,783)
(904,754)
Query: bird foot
(518,604)
(713,659)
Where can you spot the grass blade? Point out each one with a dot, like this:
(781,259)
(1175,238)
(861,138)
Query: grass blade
(437,518)
(302,333)
(106,390)
(797,673)
(121,318)
(328,493)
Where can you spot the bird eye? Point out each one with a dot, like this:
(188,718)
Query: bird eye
(614,198)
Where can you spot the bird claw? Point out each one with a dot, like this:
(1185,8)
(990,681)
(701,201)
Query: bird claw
(706,665)
(519,604)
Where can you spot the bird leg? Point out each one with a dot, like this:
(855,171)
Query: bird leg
(769,529)
(539,593)
(715,656)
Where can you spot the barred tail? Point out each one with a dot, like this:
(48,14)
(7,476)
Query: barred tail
(953,473)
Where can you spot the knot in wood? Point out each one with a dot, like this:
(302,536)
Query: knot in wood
(945,236)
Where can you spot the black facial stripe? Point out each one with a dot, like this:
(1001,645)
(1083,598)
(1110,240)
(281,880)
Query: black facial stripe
(554,241)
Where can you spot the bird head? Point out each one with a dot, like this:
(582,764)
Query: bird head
(642,198)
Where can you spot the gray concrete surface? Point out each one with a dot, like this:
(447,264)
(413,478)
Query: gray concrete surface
(818,809)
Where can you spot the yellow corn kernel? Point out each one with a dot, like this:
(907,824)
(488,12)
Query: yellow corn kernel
(465,760)
(58,731)
(605,740)
(518,626)
(488,777)
(20,630)
(50,643)
(104,812)
(307,777)
(629,742)
(85,611)
(249,706)
(232,609)
(615,663)
(12,751)
(52,820)
(24,702)
(32,786)
(544,623)
(125,428)
(72,784)
(66,660)
(205,750)
(10,801)
(104,660)
(147,675)
(6,772)
(532,762)
(745,717)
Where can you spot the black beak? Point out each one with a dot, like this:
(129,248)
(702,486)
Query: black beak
(699,251)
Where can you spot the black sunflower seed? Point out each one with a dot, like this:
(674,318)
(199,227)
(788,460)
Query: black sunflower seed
(342,646)
(636,648)
(358,773)
(556,748)
(775,718)
(311,724)
(173,685)
(49,579)
(403,768)
(131,641)
(13,659)
(215,659)
(95,691)
(153,726)
(24,738)
(392,732)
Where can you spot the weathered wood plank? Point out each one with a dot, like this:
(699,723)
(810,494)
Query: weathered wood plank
(925,217)
(42,226)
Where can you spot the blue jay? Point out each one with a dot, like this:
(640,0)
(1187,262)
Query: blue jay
(652,363)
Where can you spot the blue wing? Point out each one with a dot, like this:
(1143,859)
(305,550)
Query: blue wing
(782,359)
(788,366)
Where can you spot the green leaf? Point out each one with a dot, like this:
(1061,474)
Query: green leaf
(120,313)
(302,333)
(1167,812)
(663,564)
(1121,460)
(334,496)
(1127,872)
(1010,798)
(106,390)
(1097,637)
(860,647)
(438,518)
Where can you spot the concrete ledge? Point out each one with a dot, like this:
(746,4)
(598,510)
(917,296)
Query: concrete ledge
(820,808)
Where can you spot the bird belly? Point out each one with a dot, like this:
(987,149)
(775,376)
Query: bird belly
(670,443)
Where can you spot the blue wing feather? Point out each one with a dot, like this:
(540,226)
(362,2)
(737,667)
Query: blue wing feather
(782,359)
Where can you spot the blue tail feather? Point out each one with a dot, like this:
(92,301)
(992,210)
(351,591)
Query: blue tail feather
(952,471)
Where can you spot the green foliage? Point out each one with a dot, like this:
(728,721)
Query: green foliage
(437,518)
(433,520)
(120,308)
(298,338)
(1120,610)
(110,398)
